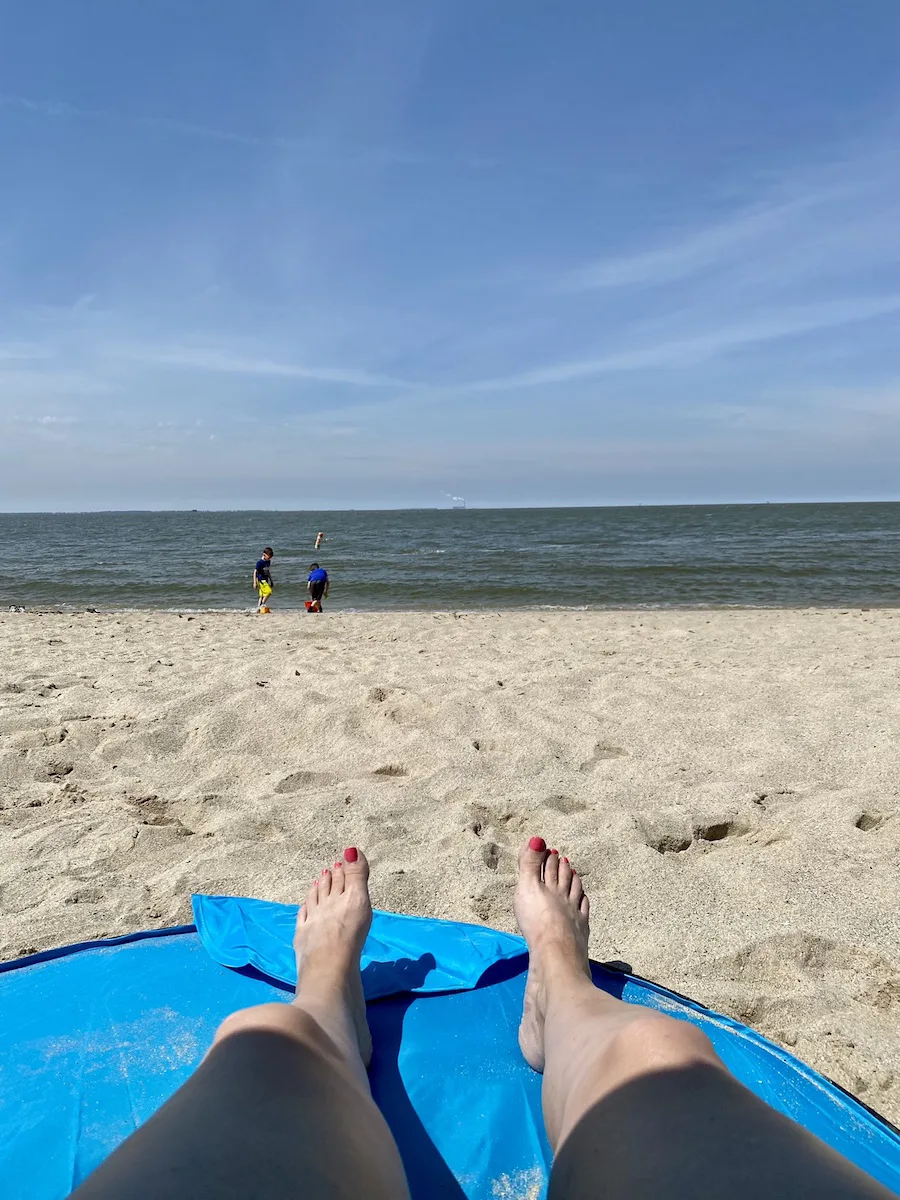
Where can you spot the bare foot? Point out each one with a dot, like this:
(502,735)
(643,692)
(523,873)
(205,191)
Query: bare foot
(331,930)
(552,911)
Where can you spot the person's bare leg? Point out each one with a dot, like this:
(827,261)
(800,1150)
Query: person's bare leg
(280,1107)
(638,1104)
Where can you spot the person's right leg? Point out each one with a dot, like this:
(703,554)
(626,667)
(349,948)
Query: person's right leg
(638,1104)
(280,1107)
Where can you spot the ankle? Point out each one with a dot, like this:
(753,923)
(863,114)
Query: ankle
(567,987)
(331,962)
(330,1030)
(558,959)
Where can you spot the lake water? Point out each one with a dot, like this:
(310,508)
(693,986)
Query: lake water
(789,555)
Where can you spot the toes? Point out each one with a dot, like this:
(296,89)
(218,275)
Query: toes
(576,890)
(585,907)
(355,869)
(351,871)
(531,859)
(565,876)
(551,869)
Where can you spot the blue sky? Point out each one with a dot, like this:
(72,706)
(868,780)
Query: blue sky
(366,254)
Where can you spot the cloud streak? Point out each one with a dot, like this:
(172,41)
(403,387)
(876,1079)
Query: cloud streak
(819,221)
(684,257)
(691,351)
(224,364)
(23,352)
(333,152)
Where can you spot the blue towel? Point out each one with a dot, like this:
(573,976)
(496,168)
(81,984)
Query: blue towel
(401,954)
(97,1036)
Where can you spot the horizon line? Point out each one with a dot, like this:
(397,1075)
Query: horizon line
(85,512)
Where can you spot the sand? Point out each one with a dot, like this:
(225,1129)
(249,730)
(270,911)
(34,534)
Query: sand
(726,782)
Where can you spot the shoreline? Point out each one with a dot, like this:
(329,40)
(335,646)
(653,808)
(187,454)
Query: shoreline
(487,610)
(725,780)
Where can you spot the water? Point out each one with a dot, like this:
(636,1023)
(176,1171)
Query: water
(781,555)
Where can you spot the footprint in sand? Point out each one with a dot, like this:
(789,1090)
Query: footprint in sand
(482,818)
(567,805)
(671,833)
(299,780)
(869,821)
(490,855)
(151,811)
(603,752)
(717,831)
(53,771)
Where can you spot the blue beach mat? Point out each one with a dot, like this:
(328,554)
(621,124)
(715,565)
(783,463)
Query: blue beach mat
(95,1037)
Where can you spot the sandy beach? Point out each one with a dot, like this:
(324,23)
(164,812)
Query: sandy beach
(727,783)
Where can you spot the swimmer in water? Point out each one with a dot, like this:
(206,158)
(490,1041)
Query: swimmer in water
(320,538)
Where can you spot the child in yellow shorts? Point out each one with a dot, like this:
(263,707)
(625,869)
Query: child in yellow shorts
(262,579)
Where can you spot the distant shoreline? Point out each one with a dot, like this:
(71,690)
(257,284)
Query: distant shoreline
(488,610)
(439,508)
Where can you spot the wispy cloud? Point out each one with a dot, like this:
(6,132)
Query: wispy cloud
(217,362)
(23,351)
(686,255)
(333,151)
(48,419)
(820,219)
(688,351)
(813,252)
(48,386)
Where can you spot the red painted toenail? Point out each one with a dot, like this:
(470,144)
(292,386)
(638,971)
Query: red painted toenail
(565,860)
(537,844)
(336,865)
(554,852)
(351,854)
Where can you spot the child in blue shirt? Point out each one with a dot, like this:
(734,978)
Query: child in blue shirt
(317,586)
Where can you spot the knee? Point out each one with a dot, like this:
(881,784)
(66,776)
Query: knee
(654,1042)
(284,1019)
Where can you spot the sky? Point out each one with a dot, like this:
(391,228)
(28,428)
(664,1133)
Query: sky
(378,253)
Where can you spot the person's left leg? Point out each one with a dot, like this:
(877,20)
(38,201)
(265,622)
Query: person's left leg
(280,1107)
(636,1103)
